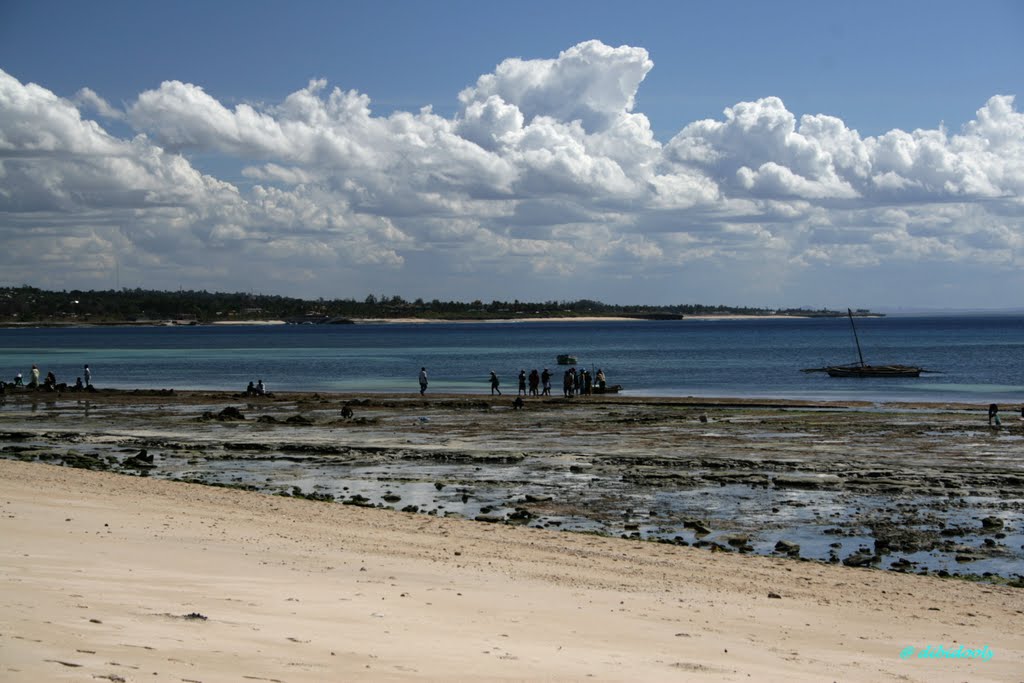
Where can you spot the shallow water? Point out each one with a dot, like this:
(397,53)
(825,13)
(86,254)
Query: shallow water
(978,358)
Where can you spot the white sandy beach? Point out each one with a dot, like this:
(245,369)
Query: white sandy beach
(101,570)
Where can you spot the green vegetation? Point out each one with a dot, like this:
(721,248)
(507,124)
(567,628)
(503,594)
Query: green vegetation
(32,305)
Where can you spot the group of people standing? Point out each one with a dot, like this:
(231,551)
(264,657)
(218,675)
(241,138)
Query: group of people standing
(581,382)
(540,383)
(49,383)
(574,383)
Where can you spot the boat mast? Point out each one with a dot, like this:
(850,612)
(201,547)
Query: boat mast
(855,338)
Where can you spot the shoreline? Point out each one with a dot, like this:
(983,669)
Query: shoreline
(710,401)
(125,577)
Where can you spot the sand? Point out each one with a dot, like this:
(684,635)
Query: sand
(101,572)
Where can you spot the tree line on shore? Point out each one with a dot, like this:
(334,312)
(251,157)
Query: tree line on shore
(32,305)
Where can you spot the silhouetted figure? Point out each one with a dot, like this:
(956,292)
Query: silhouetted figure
(494,384)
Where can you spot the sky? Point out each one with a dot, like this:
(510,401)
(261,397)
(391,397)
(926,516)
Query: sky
(777,154)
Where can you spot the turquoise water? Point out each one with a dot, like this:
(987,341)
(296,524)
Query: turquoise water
(977,358)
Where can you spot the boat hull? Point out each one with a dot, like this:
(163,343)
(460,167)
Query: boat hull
(873,371)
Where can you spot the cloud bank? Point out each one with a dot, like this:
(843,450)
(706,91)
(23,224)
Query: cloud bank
(545,184)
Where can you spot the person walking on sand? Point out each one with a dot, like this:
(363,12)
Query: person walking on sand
(522,383)
(34,382)
(87,373)
(534,382)
(423,381)
(494,384)
(545,382)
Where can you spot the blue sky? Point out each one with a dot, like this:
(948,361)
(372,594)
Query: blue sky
(767,153)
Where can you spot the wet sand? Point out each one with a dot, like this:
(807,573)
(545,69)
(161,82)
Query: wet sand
(102,571)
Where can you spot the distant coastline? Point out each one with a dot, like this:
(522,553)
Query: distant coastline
(409,320)
(20,306)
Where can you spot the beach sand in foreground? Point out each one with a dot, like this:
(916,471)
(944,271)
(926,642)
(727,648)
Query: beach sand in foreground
(101,572)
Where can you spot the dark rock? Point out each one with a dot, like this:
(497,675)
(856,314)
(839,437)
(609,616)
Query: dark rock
(795,481)
(490,518)
(861,559)
(229,413)
(698,527)
(787,547)
(520,516)
(299,420)
(141,460)
(992,523)
(774,596)
(391,497)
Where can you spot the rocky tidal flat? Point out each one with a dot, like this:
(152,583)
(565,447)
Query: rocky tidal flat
(907,487)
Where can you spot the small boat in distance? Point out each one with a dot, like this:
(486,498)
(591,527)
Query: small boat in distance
(856,370)
(862,369)
(566,359)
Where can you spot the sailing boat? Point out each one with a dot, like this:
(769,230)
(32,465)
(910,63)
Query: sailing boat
(862,369)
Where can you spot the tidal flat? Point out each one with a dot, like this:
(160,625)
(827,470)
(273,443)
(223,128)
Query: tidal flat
(922,488)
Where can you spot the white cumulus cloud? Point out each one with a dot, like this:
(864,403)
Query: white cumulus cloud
(545,180)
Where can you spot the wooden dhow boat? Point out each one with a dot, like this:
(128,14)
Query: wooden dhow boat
(862,369)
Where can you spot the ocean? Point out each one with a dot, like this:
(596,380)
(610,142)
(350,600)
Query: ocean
(977,358)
